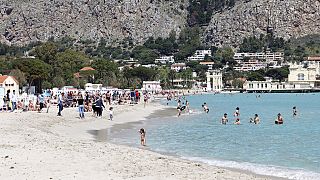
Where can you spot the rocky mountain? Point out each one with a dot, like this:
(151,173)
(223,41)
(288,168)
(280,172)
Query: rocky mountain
(283,18)
(23,21)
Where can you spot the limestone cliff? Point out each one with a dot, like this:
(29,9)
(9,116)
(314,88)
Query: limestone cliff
(23,21)
(284,18)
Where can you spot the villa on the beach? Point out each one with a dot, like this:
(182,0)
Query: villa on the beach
(9,83)
(303,77)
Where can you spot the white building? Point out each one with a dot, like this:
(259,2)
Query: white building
(316,61)
(151,86)
(258,60)
(250,65)
(209,64)
(178,66)
(70,89)
(149,65)
(301,77)
(214,80)
(164,60)
(9,83)
(89,87)
(199,55)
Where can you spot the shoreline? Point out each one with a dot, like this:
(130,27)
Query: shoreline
(43,146)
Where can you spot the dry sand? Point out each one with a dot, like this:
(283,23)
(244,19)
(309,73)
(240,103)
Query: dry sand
(43,146)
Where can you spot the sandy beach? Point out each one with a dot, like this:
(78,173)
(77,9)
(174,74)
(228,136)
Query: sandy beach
(44,146)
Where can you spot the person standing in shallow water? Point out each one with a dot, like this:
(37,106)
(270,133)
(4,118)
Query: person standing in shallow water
(294,111)
(224,119)
(279,119)
(142,137)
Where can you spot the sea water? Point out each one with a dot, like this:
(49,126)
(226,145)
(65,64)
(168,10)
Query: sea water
(291,150)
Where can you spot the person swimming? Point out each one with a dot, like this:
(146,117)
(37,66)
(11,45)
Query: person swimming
(294,111)
(205,108)
(279,119)
(237,121)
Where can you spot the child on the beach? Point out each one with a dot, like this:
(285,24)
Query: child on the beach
(142,137)
(110,113)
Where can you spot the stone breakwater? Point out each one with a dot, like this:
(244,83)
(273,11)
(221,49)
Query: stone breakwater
(287,19)
(25,21)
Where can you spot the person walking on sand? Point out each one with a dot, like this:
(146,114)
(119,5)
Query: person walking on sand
(142,137)
(110,113)
(41,102)
(80,101)
(224,119)
(99,106)
(14,100)
(60,103)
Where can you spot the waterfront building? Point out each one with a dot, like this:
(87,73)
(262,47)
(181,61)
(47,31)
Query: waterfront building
(302,77)
(199,55)
(9,83)
(164,60)
(151,86)
(178,67)
(214,80)
(314,60)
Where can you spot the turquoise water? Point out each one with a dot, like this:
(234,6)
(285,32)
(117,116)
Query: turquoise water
(291,150)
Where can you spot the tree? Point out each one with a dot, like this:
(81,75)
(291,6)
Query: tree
(279,73)
(20,77)
(34,69)
(225,56)
(255,76)
(106,72)
(47,52)
(172,76)
(58,81)
(164,76)
(144,55)
(69,62)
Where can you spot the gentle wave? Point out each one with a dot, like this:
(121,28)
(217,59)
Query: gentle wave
(282,172)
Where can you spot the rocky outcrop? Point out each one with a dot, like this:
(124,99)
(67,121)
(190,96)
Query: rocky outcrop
(283,18)
(25,21)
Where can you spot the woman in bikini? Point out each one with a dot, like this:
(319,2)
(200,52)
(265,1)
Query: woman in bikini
(142,137)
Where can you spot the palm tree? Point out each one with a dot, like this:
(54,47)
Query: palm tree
(172,75)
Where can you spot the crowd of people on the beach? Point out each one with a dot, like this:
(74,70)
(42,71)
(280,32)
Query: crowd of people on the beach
(85,101)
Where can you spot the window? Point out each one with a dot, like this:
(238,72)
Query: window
(300,77)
